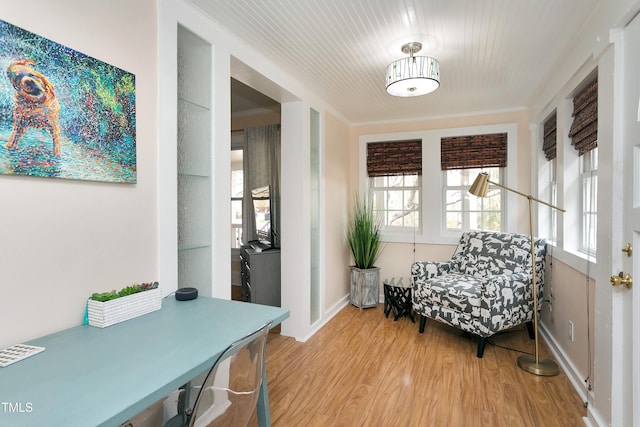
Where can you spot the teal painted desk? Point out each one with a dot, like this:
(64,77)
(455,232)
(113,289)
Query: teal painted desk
(89,376)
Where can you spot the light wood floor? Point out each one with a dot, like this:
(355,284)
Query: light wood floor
(363,369)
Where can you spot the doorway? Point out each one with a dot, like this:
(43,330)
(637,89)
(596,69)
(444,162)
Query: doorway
(249,109)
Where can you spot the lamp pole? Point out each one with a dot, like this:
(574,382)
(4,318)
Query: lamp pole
(530,363)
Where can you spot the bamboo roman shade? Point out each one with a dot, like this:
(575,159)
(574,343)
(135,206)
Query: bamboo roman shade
(584,129)
(549,136)
(394,158)
(473,151)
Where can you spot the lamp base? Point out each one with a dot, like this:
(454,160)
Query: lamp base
(544,367)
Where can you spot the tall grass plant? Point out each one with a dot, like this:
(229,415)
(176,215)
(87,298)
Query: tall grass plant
(363,234)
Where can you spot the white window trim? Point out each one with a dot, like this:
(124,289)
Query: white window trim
(433,224)
(582,177)
(396,228)
(566,248)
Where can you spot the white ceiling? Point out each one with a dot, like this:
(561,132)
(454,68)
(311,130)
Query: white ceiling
(494,54)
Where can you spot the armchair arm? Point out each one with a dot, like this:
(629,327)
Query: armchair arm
(423,270)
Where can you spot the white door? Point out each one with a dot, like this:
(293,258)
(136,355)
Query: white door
(628,262)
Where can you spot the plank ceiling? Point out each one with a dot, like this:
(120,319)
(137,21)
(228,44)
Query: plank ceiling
(494,54)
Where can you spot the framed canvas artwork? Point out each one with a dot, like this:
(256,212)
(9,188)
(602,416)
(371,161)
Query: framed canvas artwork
(64,114)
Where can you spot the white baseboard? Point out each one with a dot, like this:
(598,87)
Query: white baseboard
(594,419)
(566,364)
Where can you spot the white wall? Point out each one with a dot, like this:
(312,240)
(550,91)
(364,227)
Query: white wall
(337,199)
(62,240)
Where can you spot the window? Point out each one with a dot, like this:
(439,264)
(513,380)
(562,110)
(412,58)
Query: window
(419,187)
(549,148)
(236,207)
(464,211)
(589,197)
(584,138)
(553,190)
(394,169)
(462,158)
(396,201)
(237,187)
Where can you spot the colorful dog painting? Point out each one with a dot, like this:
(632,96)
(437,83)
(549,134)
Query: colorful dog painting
(35,103)
(64,114)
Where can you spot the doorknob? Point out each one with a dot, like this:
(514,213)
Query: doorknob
(621,279)
(628,249)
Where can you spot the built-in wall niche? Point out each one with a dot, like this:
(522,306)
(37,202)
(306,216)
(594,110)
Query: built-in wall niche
(194,162)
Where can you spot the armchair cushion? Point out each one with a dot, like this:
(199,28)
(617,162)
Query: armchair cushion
(484,254)
(455,290)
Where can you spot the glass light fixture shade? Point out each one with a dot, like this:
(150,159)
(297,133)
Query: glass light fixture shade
(413,76)
(480,186)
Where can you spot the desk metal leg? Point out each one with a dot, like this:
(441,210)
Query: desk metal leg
(264,416)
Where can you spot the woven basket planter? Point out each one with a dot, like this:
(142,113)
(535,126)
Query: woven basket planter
(103,314)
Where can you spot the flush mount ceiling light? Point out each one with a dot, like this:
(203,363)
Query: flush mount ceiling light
(413,76)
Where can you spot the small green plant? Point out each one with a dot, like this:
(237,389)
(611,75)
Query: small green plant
(363,234)
(127,290)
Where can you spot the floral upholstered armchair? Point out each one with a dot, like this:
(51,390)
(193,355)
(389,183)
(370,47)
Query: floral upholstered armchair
(485,287)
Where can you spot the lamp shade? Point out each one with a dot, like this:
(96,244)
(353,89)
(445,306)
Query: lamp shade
(480,185)
(413,76)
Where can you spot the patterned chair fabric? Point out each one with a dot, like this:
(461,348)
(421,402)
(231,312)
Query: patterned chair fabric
(485,287)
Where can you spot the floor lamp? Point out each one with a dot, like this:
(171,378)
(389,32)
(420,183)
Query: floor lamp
(530,363)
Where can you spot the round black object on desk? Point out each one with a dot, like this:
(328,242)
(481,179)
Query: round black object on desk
(186,294)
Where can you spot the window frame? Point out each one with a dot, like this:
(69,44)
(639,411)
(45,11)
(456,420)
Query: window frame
(433,229)
(553,197)
(547,219)
(567,247)
(402,188)
(588,178)
(236,238)
(391,165)
(466,210)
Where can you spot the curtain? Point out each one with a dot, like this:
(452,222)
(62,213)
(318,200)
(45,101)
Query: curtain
(473,151)
(584,128)
(394,158)
(549,137)
(261,167)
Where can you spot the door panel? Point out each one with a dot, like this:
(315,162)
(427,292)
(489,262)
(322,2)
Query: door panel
(630,194)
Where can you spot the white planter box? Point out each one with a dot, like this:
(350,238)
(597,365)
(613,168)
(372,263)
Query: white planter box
(103,314)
